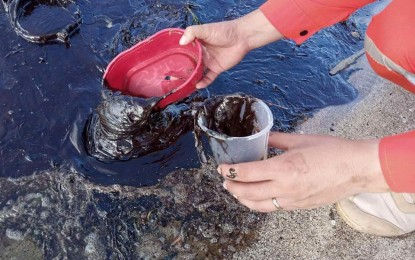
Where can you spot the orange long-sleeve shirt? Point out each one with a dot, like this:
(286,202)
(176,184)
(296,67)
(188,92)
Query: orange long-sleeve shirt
(300,19)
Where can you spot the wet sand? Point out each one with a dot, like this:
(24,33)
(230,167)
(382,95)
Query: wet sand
(381,109)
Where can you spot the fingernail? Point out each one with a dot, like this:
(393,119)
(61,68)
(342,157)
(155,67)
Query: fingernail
(224,186)
(219,169)
(183,40)
(234,196)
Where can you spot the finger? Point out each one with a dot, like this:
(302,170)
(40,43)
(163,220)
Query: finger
(209,77)
(255,191)
(250,171)
(187,37)
(264,205)
(191,33)
(285,141)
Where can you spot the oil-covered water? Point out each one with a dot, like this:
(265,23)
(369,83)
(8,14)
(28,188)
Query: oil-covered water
(55,194)
(49,91)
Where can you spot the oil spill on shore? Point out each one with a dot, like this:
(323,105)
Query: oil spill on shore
(186,216)
(73,205)
(125,127)
(49,91)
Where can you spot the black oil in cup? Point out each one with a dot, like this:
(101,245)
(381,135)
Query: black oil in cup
(237,127)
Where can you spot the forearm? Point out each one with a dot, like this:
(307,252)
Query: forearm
(257,30)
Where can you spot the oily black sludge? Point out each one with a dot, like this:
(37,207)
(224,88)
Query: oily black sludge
(125,127)
(186,216)
(49,91)
(231,115)
(39,31)
(75,211)
(224,116)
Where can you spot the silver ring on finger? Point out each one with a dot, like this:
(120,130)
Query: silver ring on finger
(276,204)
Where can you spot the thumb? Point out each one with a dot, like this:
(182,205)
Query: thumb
(285,141)
(192,32)
(207,79)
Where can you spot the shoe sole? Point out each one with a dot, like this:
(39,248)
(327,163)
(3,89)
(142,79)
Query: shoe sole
(366,223)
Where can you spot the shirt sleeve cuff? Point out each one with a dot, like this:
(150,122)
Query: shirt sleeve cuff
(300,19)
(397,159)
(288,18)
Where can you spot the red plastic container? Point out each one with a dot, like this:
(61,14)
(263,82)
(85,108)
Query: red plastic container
(156,66)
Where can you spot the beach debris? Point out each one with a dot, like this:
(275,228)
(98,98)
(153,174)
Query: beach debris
(344,64)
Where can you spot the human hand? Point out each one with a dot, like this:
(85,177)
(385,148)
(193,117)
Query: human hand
(314,171)
(225,44)
(222,44)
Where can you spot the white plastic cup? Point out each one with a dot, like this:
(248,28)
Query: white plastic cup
(231,150)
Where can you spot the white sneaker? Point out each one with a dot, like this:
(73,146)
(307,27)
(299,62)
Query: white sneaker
(382,214)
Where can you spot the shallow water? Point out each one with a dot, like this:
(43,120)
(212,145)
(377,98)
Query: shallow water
(49,91)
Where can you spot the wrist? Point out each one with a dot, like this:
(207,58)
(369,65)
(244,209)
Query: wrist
(256,30)
(373,178)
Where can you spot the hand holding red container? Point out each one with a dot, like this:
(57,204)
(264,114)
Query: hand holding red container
(157,66)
